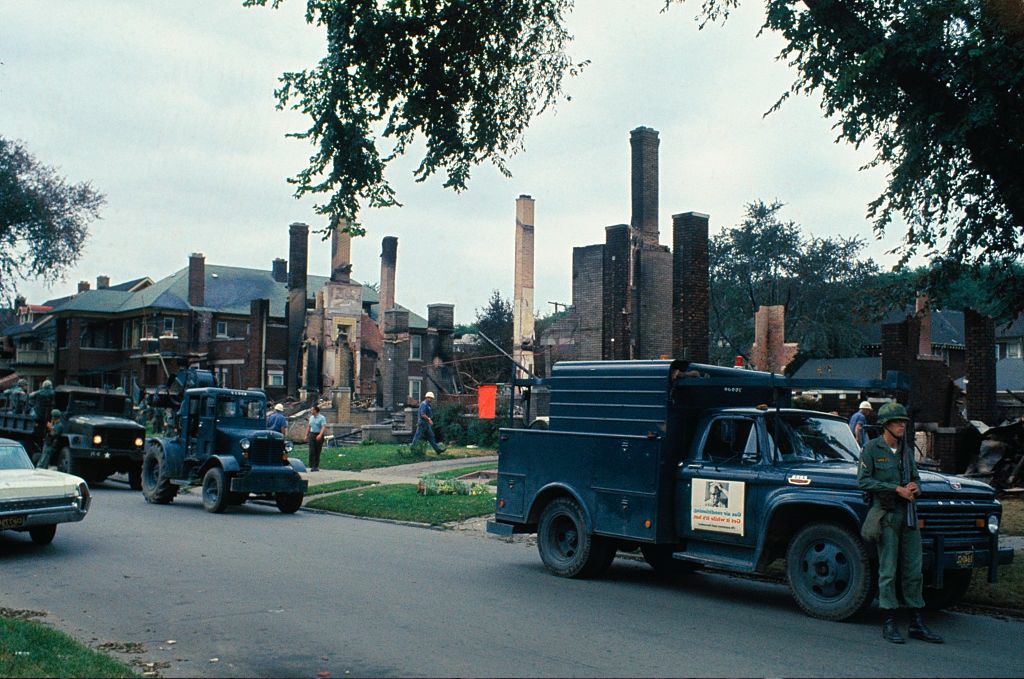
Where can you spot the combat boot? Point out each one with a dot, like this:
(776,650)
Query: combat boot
(889,630)
(918,630)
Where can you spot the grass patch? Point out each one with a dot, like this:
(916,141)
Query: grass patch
(1013,516)
(403,503)
(358,458)
(1007,593)
(344,484)
(453,473)
(31,649)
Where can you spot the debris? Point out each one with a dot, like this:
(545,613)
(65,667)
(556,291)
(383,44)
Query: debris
(122,647)
(214,659)
(20,614)
(1000,458)
(171,642)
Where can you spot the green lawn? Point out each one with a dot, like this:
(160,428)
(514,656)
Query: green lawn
(1013,516)
(357,458)
(344,484)
(31,649)
(453,473)
(403,503)
(1007,593)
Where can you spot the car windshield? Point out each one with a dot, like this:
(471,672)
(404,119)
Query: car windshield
(249,408)
(804,437)
(14,457)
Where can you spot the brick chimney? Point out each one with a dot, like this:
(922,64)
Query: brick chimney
(924,315)
(279,269)
(341,253)
(83,286)
(980,341)
(522,287)
(197,279)
(644,183)
(102,282)
(388,262)
(690,286)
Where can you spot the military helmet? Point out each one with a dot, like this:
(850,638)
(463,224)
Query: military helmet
(22,382)
(47,384)
(891,412)
(54,413)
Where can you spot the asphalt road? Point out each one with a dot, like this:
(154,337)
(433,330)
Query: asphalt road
(270,595)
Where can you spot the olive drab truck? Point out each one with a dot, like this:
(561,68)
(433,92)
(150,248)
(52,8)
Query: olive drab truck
(703,466)
(219,441)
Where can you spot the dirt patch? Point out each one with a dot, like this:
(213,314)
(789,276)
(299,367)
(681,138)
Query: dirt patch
(132,647)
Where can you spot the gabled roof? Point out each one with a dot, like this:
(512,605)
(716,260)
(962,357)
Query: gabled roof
(133,285)
(1013,329)
(865,368)
(1010,375)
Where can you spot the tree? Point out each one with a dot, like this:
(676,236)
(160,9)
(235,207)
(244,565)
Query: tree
(43,219)
(467,77)
(937,88)
(823,285)
(484,364)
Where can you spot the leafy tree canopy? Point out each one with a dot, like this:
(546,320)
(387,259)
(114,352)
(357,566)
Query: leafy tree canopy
(826,290)
(465,77)
(483,364)
(43,219)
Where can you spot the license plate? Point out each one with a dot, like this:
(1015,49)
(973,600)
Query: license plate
(11,522)
(964,559)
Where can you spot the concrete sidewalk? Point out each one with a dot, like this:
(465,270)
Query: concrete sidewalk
(405,473)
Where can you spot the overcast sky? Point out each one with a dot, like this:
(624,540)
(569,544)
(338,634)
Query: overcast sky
(168,108)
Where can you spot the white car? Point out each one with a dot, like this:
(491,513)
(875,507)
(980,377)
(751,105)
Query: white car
(36,500)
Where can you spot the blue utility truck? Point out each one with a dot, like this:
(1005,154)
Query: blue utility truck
(704,466)
(220,442)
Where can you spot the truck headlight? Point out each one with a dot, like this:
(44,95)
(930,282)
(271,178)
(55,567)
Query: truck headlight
(993,523)
(139,442)
(288,445)
(97,439)
(245,444)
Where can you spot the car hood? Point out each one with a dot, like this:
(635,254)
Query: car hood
(25,484)
(844,475)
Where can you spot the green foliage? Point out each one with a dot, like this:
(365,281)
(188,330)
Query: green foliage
(42,219)
(368,442)
(449,423)
(31,649)
(433,485)
(401,502)
(483,364)
(453,473)
(820,281)
(466,77)
(483,432)
(936,88)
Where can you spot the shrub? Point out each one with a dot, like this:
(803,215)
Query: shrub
(368,442)
(483,432)
(431,485)
(449,424)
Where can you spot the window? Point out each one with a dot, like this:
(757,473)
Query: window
(275,378)
(221,373)
(1013,350)
(732,440)
(168,326)
(222,328)
(416,348)
(416,388)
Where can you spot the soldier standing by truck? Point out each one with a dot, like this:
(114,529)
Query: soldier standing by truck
(54,429)
(888,471)
(42,402)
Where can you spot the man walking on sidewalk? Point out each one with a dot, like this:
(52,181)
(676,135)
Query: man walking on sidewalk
(425,424)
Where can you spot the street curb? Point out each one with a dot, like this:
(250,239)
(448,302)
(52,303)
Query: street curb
(395,522)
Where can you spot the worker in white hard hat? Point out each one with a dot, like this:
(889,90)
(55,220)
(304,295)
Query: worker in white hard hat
(425,424)
(859,423)
(277,421)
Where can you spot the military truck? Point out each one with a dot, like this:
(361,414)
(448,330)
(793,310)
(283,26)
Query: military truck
(220,442)
(99,437)
(702,466)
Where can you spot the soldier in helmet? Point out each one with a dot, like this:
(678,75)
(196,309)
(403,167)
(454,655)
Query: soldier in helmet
(42,402)
(54,428)
(18,398)
(889,473)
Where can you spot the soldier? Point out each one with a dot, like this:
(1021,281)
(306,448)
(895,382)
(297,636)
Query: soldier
(18,399)
(889,473)
(42,401)
(158,420)
(54,428)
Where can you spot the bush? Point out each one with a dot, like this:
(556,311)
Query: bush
(483,432)
(368,442)
(450,425)
(431,485)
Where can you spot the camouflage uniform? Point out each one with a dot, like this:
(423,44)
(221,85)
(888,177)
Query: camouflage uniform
(52,437)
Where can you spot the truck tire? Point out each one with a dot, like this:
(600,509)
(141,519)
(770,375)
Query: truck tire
(68,464)
(288,503)
(954,585)
(135,478)
(565,546)
(43,535)
(829,572)
(156,486)
(216,496)
(659,557)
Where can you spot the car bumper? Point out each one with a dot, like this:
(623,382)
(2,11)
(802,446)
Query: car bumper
(17,519)
(277,480)
(941,556)
(109,454)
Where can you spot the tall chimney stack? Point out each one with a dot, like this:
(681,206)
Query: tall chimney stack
(388,262)
(341,253)
(690,286)
(644,183)
(298,251)
(924,338)
(522,300)
(197,279)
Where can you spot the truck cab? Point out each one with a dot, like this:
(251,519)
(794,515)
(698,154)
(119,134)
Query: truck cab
(220,442)
(703,466)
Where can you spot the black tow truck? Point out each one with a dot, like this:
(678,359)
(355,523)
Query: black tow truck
(703,466)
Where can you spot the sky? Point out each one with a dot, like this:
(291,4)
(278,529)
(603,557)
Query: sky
(168,109)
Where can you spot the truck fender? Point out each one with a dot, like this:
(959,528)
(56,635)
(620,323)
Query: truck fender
(297,465)
(551,491)
(226,462)
(833,507)
(174,455)
(74,441)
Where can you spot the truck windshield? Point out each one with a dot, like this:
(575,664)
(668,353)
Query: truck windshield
(14,457)
(805,437)
(80,403)
(248,408)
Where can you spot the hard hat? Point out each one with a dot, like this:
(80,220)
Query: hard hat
(892,412)
(278,407)
(47,383)
(865,404)
(430,394)
(54,413)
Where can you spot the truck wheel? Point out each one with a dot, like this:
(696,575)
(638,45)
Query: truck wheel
(68,464)
(954,585)
(216,496)
(43,535)
(135,478)
(288,503)
(565,546)
(156,486)
(659,557)
(829,572)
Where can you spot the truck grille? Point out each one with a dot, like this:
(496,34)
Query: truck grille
(265,451)
(35,503)
(953,521)
(120,438)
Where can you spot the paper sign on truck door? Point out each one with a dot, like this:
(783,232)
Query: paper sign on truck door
(717,506)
